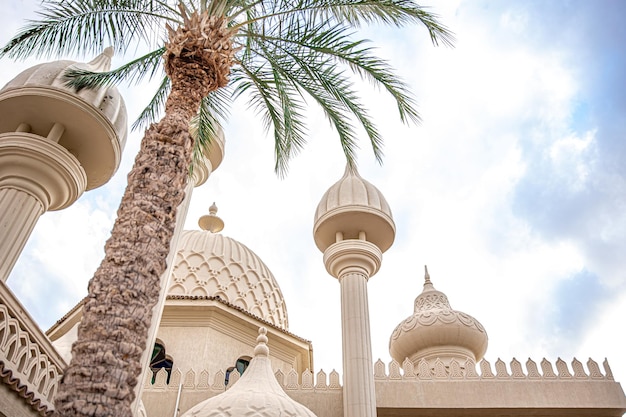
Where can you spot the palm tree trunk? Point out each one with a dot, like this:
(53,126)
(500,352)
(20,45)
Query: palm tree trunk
(106,358)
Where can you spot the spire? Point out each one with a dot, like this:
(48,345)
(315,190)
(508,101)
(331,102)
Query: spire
(428,285)
(261,348)
(211,222)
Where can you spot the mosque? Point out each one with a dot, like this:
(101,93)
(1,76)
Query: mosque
(219,290)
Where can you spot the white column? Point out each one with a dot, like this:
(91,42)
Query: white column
(19,212)
(353,262)
(358,370)
(36,175)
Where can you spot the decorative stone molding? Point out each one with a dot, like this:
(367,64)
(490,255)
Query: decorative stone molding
(204,381)
(29,364)
(467,370)
(212,265)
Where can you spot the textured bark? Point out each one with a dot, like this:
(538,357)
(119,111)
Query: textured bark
(106,358)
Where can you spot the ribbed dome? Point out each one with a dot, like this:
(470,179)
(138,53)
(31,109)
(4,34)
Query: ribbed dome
(435,330)
(210,264)
(94,120)
(350,206)
(257,393)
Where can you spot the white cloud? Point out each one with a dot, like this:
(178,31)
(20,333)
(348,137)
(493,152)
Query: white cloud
(498,115)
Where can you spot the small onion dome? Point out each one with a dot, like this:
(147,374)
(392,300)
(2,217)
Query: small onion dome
(350,206)
(256,393)
(210,264)
(435,330)
(94,120)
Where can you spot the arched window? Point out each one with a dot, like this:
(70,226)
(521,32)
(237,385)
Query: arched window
(160,360)
(241,365)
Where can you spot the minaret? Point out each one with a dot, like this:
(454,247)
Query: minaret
(55,144)
(353,227)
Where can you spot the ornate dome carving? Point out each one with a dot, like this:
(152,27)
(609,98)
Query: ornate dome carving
(436,331)
(350,206)
(210,264)
(257,393)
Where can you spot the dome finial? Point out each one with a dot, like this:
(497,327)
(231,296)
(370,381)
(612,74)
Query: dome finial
(428,285)
(211,222)
(261,348)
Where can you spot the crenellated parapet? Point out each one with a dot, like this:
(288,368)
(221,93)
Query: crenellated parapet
(321,392)
(514,388)
(468,370)
(29,365)
(202,380)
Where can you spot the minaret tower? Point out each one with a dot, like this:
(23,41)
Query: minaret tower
(353,227)
(55,144)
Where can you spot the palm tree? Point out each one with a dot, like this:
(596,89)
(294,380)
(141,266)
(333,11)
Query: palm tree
(277,53)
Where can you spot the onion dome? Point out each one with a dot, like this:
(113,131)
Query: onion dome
(257,392)
(92,122)
(210,264)
(435,330)
(352,206)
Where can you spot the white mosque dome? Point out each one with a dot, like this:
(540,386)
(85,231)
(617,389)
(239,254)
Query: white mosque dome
(436,331)
(350,206)
(256,393)
(209,264)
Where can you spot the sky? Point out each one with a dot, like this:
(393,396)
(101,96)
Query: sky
(512,189)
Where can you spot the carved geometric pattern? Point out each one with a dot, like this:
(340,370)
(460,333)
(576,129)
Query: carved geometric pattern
(579,370)
(379,370)
(190,379)
(516,369)
(428,318)
(501,371)
(470,369)
(233,377)
(218,381)
(546,369)
(424,371)
(409,371)
(561,368)
(203,381)
(607,370)
(292,380)
(455,370)
(280,377)
(161,379)
(485,370)
(210,264)
(176,377)
(531,367)
(440,369)
(26,362)
(321,380)
(394,370)
(334,380)
(307,379)
(594,369)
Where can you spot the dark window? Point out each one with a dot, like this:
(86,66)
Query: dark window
(160,360)
(240,366)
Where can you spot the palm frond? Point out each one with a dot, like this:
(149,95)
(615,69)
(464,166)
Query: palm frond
(82,27)
(355,13)
(132,72)
(152,111)
(323,83)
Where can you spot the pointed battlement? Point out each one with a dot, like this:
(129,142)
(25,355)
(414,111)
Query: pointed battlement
(515,370)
